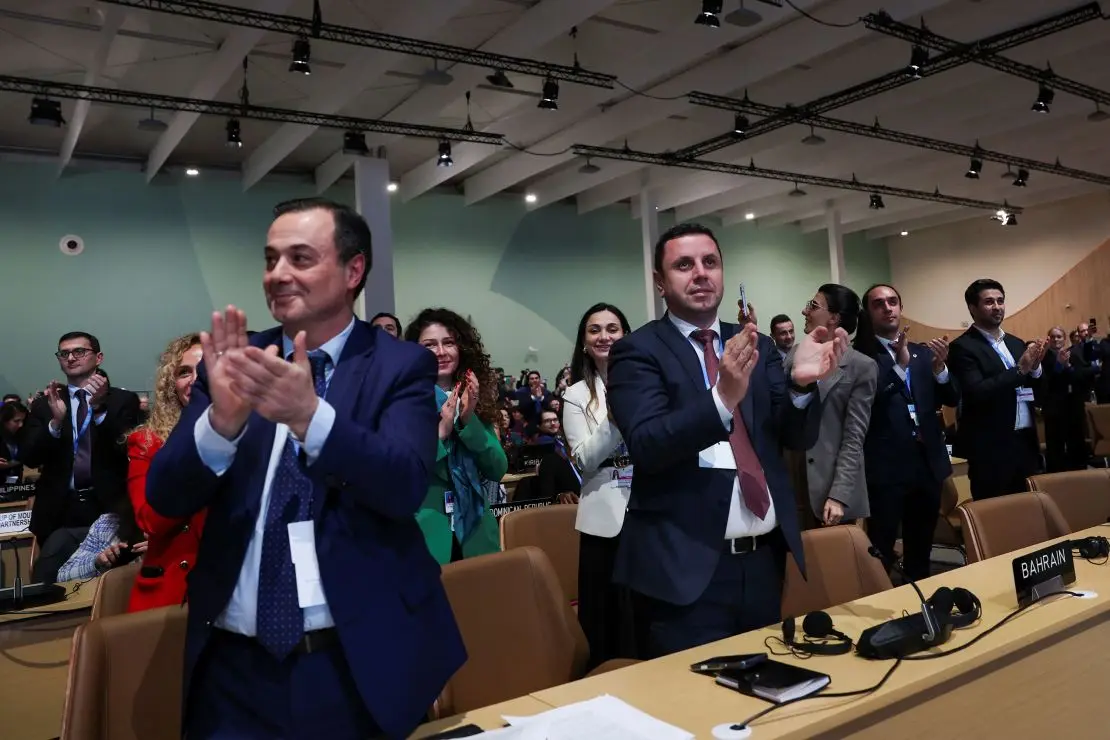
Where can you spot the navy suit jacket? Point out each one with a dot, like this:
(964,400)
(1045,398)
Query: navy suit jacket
(890,437)
(674,529)
(383,587)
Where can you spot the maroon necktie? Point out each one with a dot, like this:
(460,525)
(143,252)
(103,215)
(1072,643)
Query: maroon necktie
(753,484)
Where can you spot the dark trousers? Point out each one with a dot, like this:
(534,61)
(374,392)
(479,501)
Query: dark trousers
(1011,459)
(1065,436)
(745,593)
(241,692)
(915,507)
(604,608)
(55,551)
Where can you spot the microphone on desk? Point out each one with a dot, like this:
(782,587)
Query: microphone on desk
(932,627)
(913,633)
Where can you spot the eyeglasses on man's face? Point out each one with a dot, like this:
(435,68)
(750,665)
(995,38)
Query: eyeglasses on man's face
(78,354)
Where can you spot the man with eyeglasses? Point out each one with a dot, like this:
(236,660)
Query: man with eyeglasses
(74,435)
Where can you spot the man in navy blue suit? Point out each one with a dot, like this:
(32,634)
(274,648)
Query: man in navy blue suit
(315,608)
(703,407)
(904,454)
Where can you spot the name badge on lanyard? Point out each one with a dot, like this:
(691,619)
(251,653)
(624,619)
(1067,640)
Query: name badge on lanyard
(911,406)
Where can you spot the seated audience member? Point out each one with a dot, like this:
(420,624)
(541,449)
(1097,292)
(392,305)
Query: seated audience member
(532,398)
(782,332)
(1068,381)
(558,477)
(455,515)
(9,397)
(556,405)
(171,542)
(12,416)
(387,321)
(834,467)
(547,430)
(74,434)
(113,539)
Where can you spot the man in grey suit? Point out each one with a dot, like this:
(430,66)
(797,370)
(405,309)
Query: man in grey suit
(834,467)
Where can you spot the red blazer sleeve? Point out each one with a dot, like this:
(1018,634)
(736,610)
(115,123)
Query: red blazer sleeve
(141,446)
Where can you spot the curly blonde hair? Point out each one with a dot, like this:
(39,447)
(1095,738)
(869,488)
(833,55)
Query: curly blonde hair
(165,409)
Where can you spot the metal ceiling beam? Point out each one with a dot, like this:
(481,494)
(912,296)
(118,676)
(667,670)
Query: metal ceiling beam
(989,56)
(46,89)
(305,27)
(665,160)
(955,55)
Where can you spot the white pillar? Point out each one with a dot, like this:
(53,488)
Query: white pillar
(373,202)
(836,245)
(649,234)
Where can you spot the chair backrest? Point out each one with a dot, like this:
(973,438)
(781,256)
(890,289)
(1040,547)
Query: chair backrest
(995,526)
(1083,496)
(113,591)
(520,634)
(1098,419)
(839,570)
(125,677)
(551,529)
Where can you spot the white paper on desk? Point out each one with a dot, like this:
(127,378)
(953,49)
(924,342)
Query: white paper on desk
(601,718)
(718,456)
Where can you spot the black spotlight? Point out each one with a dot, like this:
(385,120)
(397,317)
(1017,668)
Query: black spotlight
(500,79)
(741,125)
(46,113)
(444,159)
(234,140)
(549,100)
(354,142)
(974,169)
(1022,179)
(1010,219)
(302,53)
(1045,96)
(919,57)
(876,202)
(710,9)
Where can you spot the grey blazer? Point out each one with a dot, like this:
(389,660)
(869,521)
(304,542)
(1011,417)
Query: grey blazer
(834,466)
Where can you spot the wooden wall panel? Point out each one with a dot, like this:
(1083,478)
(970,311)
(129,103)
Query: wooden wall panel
(1086,288)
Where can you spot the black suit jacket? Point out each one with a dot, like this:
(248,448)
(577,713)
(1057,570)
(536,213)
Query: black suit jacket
(54,456)
(674,530)
(989,393)
(1065,386)
(890,436)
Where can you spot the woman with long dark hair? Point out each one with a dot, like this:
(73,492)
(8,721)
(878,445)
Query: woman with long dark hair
(172,543)
(604,609)
(12,416)
(455,515)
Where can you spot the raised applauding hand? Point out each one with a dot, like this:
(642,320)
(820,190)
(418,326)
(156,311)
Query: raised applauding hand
(818,354)
(230,411)
(1031,358)
(737,362)
(939,348)
(279,391)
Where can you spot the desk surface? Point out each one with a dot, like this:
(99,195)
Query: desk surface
(488,718)
(667,689)
(33,688)
(82,599)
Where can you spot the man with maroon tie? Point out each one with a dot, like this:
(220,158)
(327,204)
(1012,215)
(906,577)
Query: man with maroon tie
(704,409)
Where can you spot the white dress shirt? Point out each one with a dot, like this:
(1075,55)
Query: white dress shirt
(741,521)
(592,439)
(98,419)
(1024,418)
(217,453)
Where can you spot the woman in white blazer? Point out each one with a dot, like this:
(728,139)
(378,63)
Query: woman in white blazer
(604,609)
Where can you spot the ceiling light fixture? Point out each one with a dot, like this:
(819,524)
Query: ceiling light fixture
(152,124)
(437,76)
(743,17)
(46,112)
(741,125)
(876,202)
(797,192)
(391,187)
(192,172)
(919,57)
(1022,178)
(905,233)
(354,142)
(234,139)
(549,99)
(302,53)
(589,168)
(1098,115)
(1045,96)
(710,9)
(530,198)
(814,138)
(500,79)
(444,158)
(974,169)
(749,216)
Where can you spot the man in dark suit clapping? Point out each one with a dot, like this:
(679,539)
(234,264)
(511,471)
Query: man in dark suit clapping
(703,406)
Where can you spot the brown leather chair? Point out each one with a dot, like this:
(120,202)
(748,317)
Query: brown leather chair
(1098,420)
(520,633)
(125,677)
(1083,496)
(113,591)
(999,525)
(839,570)
(550,528)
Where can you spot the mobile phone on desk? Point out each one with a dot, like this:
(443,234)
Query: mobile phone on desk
(712,666)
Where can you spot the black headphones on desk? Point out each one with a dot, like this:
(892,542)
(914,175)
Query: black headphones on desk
(1091,548)
(820,637)
(955,606)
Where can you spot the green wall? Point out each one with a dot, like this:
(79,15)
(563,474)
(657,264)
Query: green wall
(158,258)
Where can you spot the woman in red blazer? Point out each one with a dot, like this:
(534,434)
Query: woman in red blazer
(172,543)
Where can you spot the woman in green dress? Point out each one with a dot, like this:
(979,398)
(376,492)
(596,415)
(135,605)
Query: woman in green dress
(455,515)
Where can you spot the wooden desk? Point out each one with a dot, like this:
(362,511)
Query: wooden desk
(959,466)
(50,622)
(488,718)
(1038,675)
(33,688)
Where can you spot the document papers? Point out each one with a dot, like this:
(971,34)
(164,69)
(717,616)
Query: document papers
(602,718)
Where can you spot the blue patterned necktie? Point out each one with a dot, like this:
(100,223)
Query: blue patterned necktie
(280,623)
